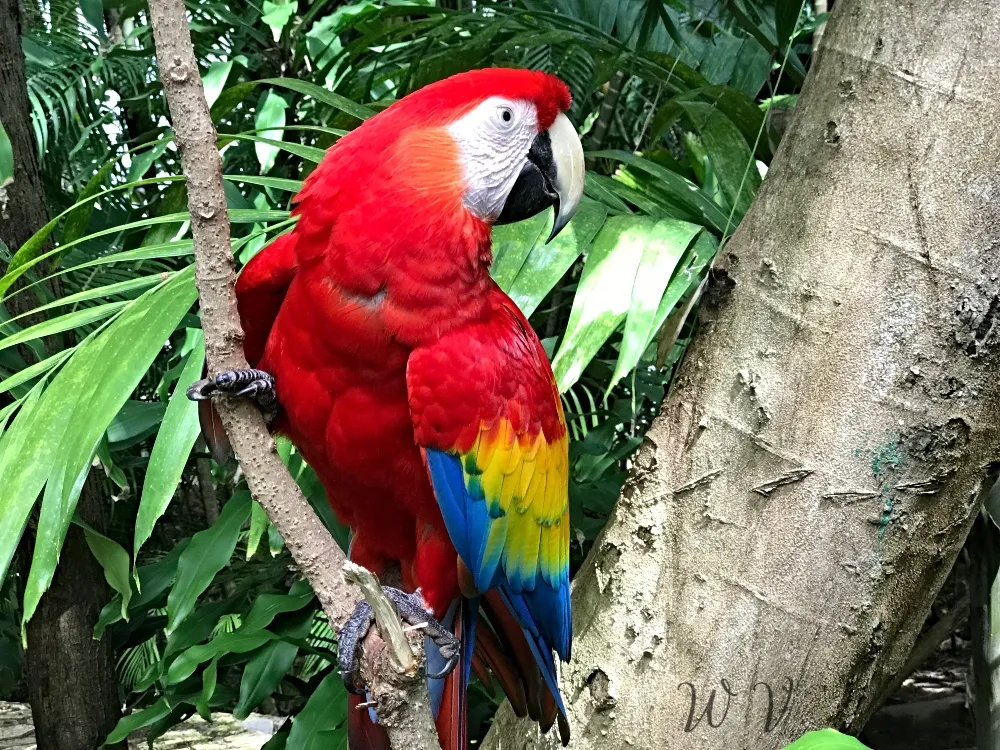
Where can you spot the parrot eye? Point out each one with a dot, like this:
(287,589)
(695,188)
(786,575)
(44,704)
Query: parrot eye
(505,117)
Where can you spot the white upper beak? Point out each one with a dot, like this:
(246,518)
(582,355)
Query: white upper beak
(567,154)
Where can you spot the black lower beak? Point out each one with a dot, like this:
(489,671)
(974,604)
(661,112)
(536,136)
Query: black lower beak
(534,190)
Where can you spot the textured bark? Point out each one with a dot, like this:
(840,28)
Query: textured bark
(71,677)
(825,449)
(22,204)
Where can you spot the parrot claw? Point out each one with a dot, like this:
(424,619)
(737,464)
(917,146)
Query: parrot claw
(253,384)
(411,611)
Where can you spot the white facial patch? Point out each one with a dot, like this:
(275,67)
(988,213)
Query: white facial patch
(494,139)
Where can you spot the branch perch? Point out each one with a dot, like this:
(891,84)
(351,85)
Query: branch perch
(393,667)
(396,683)
(312,547)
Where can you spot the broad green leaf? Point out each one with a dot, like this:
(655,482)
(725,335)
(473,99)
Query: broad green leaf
(128,724)
(143,160)
(547,263)
(6,159)
(238,642)
(207,554)
(209,680)
(61,323)
(731,158)
(258,525)
(135,421)
(113,471)
(115,562)
(277,15)
(268,606)
(20,450)
(215,79)
(270,114)
(93,11)
(78,405)
(679,188)
(322,95)
(173,445)
(665,246)
(693,267)
(320,723)
(34,371)
(786,16)
(100,292)
(149,582)
(511,245)
(309,153)
(268,666)
(826,739)
(604,295)
(262,674)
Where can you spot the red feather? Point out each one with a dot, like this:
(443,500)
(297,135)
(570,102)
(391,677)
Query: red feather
(386,259)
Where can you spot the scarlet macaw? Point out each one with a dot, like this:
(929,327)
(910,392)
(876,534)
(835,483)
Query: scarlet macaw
(416,388)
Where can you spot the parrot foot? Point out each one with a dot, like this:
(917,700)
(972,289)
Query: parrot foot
(411,611)
(253,384)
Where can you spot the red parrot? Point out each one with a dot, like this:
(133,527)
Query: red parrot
(418,391)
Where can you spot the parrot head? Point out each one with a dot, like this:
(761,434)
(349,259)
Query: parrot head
(494,145)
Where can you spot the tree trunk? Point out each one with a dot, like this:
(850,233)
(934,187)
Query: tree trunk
(22,204)
(71,677)
(817,466)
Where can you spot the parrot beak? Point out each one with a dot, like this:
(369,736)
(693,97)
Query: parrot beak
(552,176)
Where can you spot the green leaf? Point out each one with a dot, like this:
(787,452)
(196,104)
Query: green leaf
(826,739)
(679,188)
(135,421)
(320,725)
(786,16)
(605,293)
(215,79)
(238,642)
(277,15)
(270,114)
(34,371)
(61,323)
(665,245)
(262,674)
(322,95)
(209,680)
(546,264)
(6,159)
(207,554)
(730,156)
(173,445)
(128,724)
(511,245)
(93,11)
(115,562)
(258,525)
(149,582)
(268,606)
(693,268)
(268,667)
(75,411)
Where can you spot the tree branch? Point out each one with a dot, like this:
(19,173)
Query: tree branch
(393,667)
(314,550)
(395,675)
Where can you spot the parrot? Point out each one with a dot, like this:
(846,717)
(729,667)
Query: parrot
(379,344)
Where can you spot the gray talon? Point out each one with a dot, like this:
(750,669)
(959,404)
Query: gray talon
(253,384)
(411,611)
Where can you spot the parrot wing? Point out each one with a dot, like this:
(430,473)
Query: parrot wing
(487,415)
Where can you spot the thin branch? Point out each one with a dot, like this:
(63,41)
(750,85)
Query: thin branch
(314,550)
